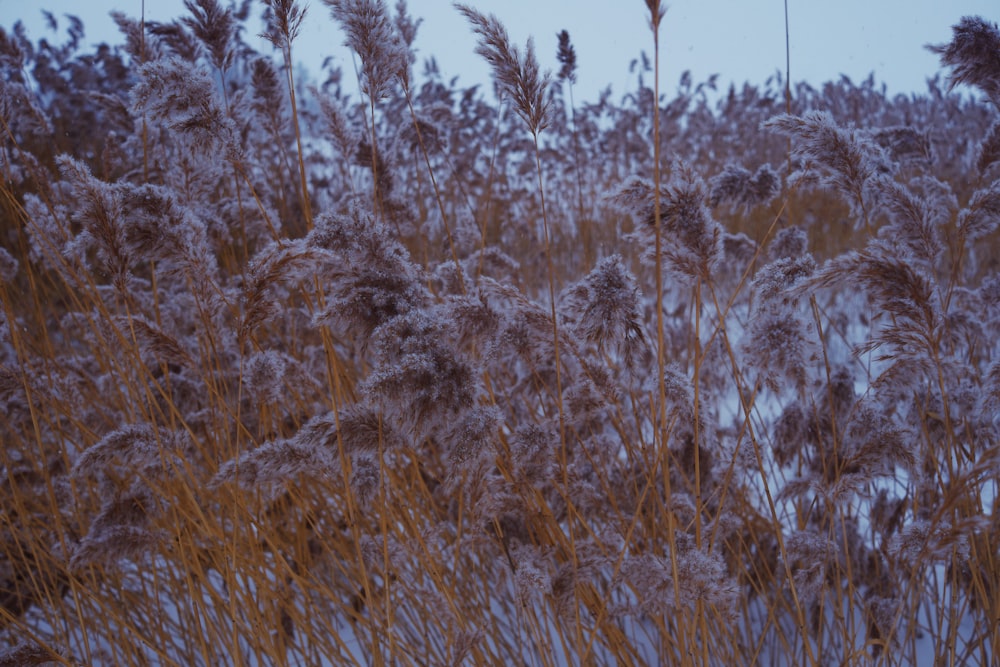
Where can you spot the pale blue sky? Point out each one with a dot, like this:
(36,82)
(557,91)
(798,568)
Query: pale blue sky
(741,40)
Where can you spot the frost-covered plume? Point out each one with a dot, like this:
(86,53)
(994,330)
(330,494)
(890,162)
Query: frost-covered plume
(267,469)
(8,266)
(419,380)
(736,185)
(700,578)
(790,242)
(270,273)
(897,287)
(215,28)
(982,215)
(100,212)
(846,160)
(264,376)
(692,239)
(373,36)
(18,107)
(27,654)
(989,150)
(181,95)
(915,221)
(974,55)
(779,344)
(284,21)
(808,559)
(129,465)
(603,309)
(343,135)
(906,145)
(372,279)
(517,75)
(268,97)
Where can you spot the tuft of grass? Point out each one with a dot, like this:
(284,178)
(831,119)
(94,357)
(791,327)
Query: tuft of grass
(294,378)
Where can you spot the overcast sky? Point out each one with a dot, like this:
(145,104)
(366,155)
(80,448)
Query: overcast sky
(741,40)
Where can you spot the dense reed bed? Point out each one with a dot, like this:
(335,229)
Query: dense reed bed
(290,377)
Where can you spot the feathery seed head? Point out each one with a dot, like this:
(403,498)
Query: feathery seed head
(182,96)
(214,27)
(790,242)
(694,238)
(8,266)
(264,376)
(373,36)
(566,56)
(973,55)
(517,75)
(284,21)
(745,190)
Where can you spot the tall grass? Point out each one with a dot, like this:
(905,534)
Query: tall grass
(424,378)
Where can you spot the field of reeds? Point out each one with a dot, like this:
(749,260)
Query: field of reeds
(445,376)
